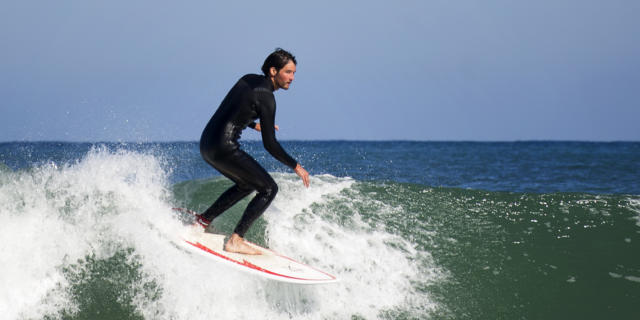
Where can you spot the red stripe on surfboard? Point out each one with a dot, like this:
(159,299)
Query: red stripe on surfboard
(254,267)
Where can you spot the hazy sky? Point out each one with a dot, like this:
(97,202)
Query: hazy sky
(372,70)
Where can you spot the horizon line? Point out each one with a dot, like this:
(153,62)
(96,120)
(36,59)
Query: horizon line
(324,140)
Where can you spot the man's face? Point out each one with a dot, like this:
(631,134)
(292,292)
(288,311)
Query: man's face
(284,77)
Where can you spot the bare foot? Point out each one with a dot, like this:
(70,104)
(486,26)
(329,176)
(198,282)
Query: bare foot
(236,244)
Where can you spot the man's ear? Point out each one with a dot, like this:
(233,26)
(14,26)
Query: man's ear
(273,71)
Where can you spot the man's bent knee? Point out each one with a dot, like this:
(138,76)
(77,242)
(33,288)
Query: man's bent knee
(270,191)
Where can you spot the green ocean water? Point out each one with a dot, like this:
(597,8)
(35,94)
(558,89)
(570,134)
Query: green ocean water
(91,236)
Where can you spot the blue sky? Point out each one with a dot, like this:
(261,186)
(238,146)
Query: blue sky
(368,70)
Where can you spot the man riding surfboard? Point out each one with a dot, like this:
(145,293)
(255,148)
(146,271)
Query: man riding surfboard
(250,99)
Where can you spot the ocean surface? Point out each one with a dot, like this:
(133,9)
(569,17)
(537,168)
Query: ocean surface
(414,230)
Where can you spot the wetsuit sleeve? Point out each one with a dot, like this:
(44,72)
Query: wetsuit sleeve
(267,113)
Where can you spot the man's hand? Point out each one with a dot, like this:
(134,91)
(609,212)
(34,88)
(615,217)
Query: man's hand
(303,174)
(257,128)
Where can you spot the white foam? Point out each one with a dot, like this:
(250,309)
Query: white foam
(51,217)
(375,268)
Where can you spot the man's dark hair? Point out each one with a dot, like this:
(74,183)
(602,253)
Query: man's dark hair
(277,59)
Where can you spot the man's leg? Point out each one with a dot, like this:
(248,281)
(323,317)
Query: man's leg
(247,172)
(225,201)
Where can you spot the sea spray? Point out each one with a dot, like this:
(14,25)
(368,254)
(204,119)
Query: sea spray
(322,227)
(53,216)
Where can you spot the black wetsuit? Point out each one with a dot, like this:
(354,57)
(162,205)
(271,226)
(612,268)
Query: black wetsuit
(250,98)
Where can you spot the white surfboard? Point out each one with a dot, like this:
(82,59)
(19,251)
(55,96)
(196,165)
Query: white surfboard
(269,264)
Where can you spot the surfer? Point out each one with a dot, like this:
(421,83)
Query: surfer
(250,99)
